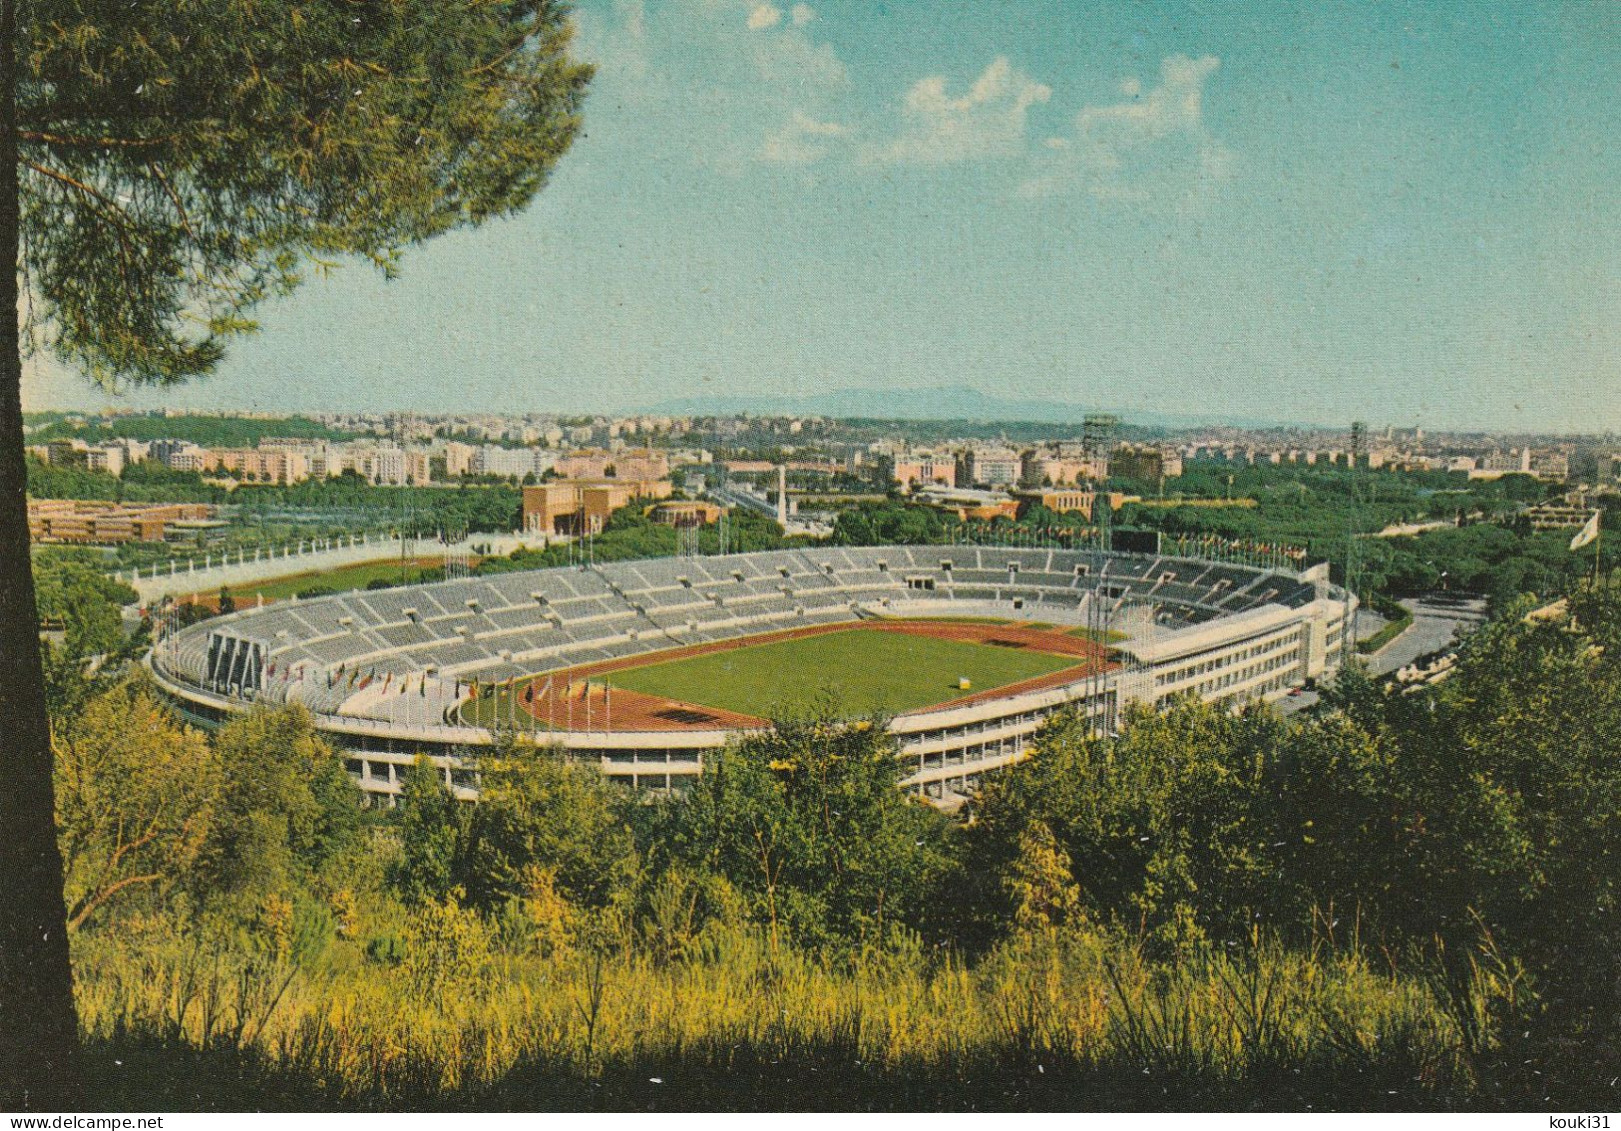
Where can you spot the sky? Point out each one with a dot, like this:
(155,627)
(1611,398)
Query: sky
(1314,212)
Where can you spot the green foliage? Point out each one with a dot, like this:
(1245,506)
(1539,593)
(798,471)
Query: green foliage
(67,580)
(539,810)
(1400,621)
(180,165)
(1196,823)
(431,827)
(446,950)
(807,823)
(893,522)
(431,509)
(1405,893)
(135,800)
(1039,881)
(630,534)
(207,431)
(287,813)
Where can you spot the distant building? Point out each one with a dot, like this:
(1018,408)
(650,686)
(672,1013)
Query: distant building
(1145,463)
(1553,466)
(256,465)
(94,521)
(583,506)
(990,467)
(923,470)
(1065,500)
(179,455)
(966,503)
(626,463)
(1043,467)
(511,463)
(685,512)
(458,459)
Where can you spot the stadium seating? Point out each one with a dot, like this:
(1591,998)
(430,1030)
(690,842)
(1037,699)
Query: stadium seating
(509,625)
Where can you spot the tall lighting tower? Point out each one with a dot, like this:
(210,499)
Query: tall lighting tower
(1097,437)
(1353,567)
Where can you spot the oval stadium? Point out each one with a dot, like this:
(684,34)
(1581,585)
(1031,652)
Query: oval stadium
(642,666)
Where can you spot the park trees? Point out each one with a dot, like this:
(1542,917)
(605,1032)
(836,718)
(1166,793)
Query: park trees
(135,798)
(430,830)
(540,813)
(164,168)
(287,812)
(1195,823)
(807,822)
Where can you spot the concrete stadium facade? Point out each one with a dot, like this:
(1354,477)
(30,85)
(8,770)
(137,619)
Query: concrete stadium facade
(386,672)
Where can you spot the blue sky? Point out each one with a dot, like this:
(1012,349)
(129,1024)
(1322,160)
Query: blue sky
(1403,213)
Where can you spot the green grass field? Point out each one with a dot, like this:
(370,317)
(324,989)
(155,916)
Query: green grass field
(867,671)
(340,580)
(1099,636)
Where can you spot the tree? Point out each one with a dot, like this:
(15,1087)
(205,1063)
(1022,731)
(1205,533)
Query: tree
(1040,882)
(135,799)
(164,168)
(429,836)
(287,810)
(807,822)
(539,810)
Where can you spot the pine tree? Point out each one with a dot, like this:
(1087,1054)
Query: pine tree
(165,166)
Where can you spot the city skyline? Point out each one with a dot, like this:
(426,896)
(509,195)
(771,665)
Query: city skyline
(1306,217)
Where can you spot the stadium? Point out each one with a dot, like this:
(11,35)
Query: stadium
(642,666)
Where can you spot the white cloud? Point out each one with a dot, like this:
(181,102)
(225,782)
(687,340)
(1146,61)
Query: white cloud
(987,121)
(1153,147)
(1175,105)
(743,76)
(802,141)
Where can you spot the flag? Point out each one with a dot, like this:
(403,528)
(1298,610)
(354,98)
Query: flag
(1587,534)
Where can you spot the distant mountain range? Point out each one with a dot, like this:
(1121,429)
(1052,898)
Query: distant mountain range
(947,403)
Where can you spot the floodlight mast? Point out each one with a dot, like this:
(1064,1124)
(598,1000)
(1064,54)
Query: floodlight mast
(1097,436)
(1353,567)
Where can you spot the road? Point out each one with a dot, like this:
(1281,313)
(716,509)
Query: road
(1439,619)
(1290,704)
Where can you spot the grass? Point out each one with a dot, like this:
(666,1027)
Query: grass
(947,620)
(340,580)
(1386,634)
(869,671)
(1100,636)
(1044,1023)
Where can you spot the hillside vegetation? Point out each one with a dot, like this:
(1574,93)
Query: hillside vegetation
(1405,902)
